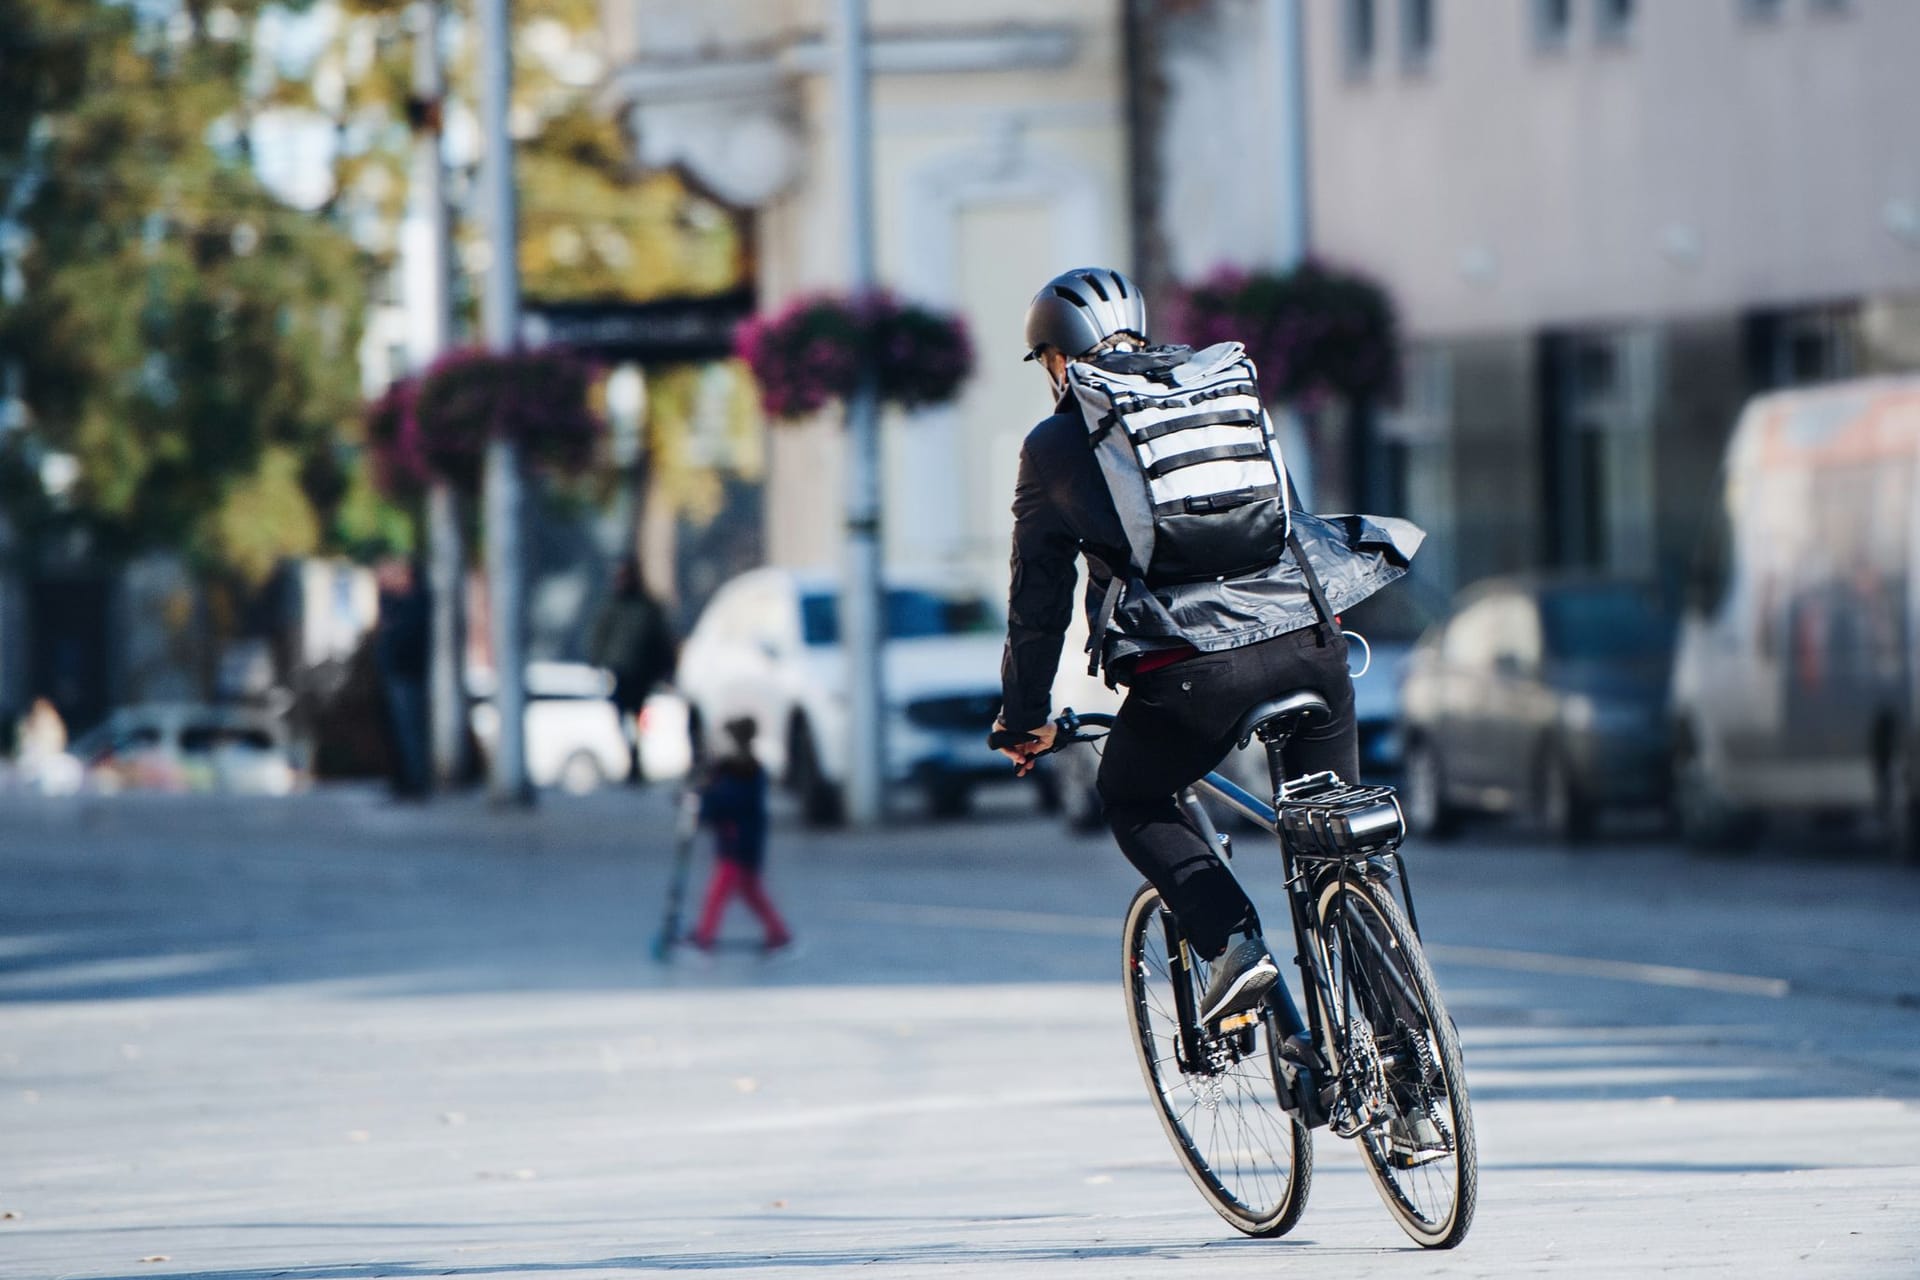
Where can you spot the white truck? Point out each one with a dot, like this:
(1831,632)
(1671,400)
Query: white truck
(1794,675)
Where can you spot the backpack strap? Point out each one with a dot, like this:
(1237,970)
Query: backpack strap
(1328,626)
(1096,638)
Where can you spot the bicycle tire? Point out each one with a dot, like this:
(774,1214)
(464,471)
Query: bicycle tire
(1256,1169)
(1390,983)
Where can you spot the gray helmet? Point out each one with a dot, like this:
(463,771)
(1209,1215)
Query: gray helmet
(1078,310)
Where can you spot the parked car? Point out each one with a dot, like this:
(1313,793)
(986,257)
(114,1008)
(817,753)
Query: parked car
(768,647)
(666,745)
(1794,681)
(186,747)
(1391,622)
(573,736)
(1537,695)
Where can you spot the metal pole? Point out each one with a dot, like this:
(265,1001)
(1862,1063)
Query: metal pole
(1288,79)
(860,595)
(504,497)
(1290,131)
(429,326)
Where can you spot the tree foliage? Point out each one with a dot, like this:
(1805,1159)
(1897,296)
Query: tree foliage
(184,335)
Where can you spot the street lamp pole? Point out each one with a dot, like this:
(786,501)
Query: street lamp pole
(1287,62)
(1290,131)
(860,604)
(429,325)
(505,481)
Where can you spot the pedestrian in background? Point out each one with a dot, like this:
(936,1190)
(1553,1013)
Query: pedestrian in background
(402,643)
(733,801)
(632,638)
(40,751)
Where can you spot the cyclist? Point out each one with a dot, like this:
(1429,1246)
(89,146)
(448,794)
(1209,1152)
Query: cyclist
(1194,656)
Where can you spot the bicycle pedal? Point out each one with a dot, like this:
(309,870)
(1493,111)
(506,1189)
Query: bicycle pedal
(1238,1021)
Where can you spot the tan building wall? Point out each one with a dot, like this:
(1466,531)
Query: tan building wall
(1704,161)
(998,154)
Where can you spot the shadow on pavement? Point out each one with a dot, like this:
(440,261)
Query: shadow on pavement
(140,898)
(745,1260)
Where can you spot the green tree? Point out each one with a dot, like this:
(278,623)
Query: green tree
(184,335)
(592,226)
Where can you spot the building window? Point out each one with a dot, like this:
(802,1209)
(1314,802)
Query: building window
(1597,447)
(1552,23)
(1359,35)
(1416,33)
(1760,10)
(1807,345)
(1616,20)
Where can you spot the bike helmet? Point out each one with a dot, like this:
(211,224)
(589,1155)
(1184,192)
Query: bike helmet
(1078,310)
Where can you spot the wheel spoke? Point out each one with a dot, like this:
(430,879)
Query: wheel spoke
(1247,1156)
(1387,996)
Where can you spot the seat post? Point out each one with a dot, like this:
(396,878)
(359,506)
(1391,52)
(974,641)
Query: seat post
(1275,741)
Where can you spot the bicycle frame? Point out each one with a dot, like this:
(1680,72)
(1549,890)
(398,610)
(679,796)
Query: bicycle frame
(1302,890)
(1316,980)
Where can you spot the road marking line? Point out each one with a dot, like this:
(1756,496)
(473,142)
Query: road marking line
(120,970)
(1653,975)
(1050,922)
(993,918)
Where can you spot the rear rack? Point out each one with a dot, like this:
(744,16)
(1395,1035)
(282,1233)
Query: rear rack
(1325,819)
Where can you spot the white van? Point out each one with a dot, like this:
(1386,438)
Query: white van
(1794,676)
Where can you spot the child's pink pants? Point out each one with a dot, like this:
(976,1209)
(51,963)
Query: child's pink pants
(731,879)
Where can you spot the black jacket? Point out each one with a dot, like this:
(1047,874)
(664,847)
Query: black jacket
(1061,509)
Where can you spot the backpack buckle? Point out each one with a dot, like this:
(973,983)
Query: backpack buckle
(1210,502)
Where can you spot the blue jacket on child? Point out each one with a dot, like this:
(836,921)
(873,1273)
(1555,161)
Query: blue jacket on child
(734,803)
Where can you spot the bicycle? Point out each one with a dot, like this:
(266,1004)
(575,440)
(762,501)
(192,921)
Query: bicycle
(1376,1057)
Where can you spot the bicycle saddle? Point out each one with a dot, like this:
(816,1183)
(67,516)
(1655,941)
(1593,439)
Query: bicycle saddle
(1282,716)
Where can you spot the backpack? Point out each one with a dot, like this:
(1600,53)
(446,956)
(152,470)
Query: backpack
(1189,457)
(1192,462)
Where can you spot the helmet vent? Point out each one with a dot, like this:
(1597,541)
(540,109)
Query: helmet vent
(1093,283)
(1078,301)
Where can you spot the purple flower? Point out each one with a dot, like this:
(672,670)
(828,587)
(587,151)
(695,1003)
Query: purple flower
(812,351)
(1313,332)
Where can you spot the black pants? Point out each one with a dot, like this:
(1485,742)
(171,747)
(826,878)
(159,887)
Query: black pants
(1175,726)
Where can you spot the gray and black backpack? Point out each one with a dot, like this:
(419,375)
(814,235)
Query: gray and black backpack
(1193,465)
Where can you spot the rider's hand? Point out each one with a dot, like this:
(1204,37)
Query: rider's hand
(1024,754)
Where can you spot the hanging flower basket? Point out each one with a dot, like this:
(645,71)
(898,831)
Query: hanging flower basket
(399,456)
(811,351)
(1313,332)
(439,424)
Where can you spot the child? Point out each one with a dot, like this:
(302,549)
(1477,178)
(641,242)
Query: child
(733,802)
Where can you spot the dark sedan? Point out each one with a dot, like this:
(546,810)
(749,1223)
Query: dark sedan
(1543,696)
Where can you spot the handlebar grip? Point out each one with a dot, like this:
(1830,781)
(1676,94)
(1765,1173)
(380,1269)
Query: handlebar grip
(1001,739)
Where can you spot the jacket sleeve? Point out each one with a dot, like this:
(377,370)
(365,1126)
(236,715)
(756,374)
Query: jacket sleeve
(1039,602)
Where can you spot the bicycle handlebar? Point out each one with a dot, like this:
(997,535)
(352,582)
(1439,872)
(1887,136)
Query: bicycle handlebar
(1067,728)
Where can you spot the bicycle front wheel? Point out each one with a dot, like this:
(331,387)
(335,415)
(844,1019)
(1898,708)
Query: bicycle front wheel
(1217,1097)
(1403,1091)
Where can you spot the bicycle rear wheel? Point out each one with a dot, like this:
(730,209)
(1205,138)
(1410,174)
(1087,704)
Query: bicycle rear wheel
(1404,1092)
(1251,1160)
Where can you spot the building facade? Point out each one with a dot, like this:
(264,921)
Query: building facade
(1608,222)
(1605,222)
(999,159)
